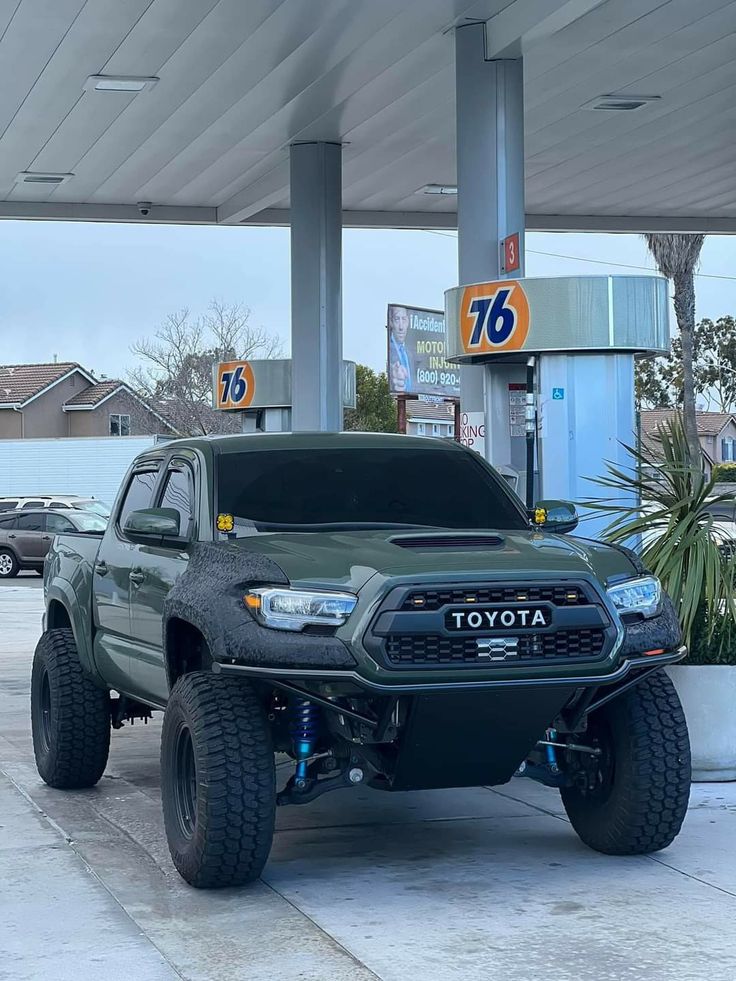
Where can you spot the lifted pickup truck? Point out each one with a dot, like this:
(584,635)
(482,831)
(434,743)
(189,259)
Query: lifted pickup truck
(379,608)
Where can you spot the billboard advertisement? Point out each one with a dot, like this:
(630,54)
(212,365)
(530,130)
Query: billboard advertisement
(417,347)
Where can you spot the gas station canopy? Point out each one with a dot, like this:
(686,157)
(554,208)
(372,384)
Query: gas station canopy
(184,110)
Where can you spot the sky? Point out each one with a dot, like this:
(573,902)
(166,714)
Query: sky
(85,291)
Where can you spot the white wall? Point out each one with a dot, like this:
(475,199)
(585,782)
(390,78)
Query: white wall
(89,467)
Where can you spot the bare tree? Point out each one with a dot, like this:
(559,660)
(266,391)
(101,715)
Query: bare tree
(176,370)
(677,257)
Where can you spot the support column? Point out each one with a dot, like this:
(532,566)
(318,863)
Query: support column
(316,286)
(490,198)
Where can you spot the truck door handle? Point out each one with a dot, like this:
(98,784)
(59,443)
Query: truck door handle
(136,576)
(101,568)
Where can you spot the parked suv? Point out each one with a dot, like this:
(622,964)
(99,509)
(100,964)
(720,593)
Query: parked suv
(26,536)
(19,502)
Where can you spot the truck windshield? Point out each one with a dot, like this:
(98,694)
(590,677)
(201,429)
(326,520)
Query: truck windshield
(303,489)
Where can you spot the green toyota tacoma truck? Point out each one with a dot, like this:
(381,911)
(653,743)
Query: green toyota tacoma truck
(382,610)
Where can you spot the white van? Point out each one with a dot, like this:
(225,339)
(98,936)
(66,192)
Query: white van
(18,502)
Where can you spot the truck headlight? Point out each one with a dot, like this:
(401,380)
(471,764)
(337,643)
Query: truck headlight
(294,609)
(642,595)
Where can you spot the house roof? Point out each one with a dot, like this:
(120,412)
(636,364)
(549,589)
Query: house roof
(431,411)
(709,423)
(21,382)
(95,394)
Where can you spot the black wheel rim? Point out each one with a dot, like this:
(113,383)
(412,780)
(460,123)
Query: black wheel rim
(45,706)
(185,783)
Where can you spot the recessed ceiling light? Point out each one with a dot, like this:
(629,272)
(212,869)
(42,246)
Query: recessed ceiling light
(620,103)
(119,83)
(438,189)
(31,177)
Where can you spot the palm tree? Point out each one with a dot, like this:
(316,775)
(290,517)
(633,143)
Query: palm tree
(677,257)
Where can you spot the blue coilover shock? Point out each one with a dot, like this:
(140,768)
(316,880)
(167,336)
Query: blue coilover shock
(304,728)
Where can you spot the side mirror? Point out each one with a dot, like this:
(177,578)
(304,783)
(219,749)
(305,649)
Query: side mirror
(556,516)
(152,523)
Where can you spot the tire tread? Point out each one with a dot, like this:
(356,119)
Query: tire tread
(236,781)
(647,813)
(80,741)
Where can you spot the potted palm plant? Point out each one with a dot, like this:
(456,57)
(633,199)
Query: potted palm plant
(676,530)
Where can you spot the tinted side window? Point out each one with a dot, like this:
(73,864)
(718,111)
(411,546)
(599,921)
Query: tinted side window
(57,524)
(179,495)
(139,494)
(31,522)
(8,505)
(33,504)
(58,504)
(9,521)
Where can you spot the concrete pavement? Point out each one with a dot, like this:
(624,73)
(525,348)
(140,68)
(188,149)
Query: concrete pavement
(478,884)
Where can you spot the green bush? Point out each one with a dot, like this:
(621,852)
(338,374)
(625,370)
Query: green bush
(674,531)
(724,473)
(716,648)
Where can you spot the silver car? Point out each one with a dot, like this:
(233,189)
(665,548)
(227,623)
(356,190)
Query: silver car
(26,536)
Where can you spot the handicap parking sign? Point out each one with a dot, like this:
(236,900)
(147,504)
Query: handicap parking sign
(558,394)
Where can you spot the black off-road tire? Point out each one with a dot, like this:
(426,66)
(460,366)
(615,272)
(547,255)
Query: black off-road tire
(218,782)
(70,715)
(643,788)
(10,567)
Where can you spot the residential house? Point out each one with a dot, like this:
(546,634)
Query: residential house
(64,399)
(430,418)
(716,432)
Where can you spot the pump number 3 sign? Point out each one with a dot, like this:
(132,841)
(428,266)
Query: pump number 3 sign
(235,385)
(510,258)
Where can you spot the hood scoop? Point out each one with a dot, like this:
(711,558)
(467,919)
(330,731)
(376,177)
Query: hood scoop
(449,543)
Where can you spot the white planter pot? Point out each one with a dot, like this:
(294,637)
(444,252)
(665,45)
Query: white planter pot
(708,696)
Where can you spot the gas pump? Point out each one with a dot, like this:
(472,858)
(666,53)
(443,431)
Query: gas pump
(558,357)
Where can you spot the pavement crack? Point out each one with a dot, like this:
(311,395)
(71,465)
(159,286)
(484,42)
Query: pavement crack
(328,936)
(689,875)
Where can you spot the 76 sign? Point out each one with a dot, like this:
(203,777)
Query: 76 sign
(234,385)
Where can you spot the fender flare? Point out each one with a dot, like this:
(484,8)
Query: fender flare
(61,591)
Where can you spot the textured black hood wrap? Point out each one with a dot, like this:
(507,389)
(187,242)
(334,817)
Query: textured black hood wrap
(209,595)
(662,631)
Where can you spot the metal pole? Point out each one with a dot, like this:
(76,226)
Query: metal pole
(490,177)
(530,427)
(316,286)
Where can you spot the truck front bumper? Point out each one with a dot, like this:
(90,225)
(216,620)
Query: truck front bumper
(627,665)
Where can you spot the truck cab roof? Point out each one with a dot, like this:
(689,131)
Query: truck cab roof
(245,442)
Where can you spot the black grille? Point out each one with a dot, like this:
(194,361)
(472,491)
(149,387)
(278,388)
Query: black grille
(411,626)
(563,644)
(433,599)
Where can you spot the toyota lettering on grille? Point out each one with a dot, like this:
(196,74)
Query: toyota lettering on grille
(497,618)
